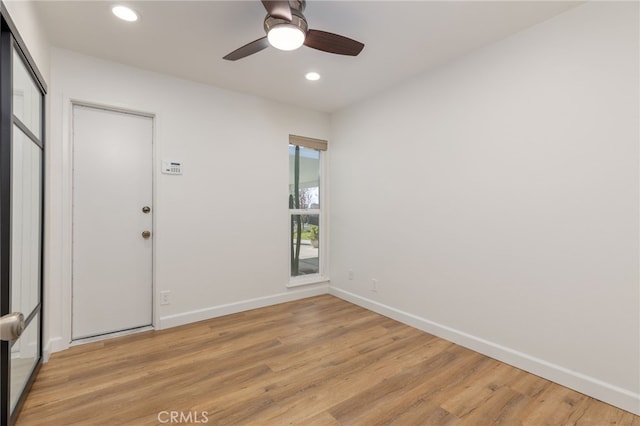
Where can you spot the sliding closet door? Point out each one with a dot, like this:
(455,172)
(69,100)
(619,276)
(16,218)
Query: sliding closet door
(21,223)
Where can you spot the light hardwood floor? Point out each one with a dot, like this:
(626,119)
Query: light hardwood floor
(317,361)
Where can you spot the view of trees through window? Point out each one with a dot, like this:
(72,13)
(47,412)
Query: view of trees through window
(304,209)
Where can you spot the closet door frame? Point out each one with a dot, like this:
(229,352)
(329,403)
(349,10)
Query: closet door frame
(10,41)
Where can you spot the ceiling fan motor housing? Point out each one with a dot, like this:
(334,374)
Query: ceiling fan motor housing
(298,5)
(297,19)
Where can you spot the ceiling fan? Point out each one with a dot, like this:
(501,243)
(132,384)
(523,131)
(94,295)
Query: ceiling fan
(287,29)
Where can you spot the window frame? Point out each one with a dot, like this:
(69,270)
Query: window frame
(320,276)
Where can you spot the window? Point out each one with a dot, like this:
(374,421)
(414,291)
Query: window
(305,207)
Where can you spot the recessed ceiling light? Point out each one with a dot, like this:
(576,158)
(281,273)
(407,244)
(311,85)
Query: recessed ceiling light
(312,76)
(125,13)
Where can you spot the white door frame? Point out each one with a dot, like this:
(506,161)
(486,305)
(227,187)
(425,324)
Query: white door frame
(67,226)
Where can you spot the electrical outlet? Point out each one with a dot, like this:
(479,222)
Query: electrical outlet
(164,297)
(374,285)
(351,274)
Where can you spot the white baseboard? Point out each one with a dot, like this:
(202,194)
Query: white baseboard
(622,398)
(243,305)
(55,344)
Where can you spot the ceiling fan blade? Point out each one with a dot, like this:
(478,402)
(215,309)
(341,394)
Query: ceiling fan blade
(248,49)
(332,43)
(278,9)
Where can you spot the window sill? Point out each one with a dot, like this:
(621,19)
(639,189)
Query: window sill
(307,280)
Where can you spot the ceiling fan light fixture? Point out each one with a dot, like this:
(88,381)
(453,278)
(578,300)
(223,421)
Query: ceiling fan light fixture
(286,37)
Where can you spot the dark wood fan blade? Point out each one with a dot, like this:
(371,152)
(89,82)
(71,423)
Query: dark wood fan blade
(278,9)
(248,49)
(332,43)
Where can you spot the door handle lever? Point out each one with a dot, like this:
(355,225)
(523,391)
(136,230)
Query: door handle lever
(11,326)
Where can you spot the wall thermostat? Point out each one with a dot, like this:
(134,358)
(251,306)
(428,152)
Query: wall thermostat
(172,167)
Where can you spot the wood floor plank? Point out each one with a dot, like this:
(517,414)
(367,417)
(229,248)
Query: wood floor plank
(317,361)
(476,393)
(322,391)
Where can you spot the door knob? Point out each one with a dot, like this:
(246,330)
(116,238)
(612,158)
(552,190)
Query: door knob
(146,234)
(146,209)
(11,326)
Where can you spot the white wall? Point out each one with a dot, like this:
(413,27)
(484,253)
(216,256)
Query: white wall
(221,228)
(496,201)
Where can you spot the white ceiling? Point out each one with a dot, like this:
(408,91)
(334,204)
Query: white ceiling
(188,39)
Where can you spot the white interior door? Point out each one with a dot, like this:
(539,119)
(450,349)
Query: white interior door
(112,183)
